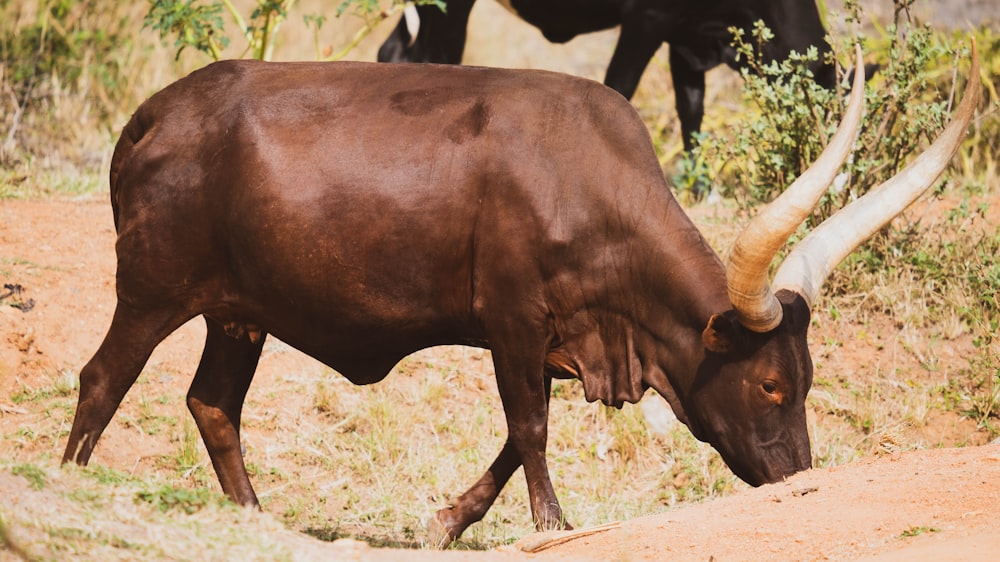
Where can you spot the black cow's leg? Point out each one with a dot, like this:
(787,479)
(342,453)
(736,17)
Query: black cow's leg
(689,97)
(637,43)
(106,378)
(449,523)
(441,38)
(689,92)
(216,401)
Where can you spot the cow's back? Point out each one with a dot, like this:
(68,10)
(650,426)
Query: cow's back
(365,201)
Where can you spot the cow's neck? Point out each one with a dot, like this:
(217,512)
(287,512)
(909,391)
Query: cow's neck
(693,288)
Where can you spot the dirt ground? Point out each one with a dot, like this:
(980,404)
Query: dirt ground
(921,505)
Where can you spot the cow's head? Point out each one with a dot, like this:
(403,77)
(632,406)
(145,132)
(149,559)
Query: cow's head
(761,381)
(748,396)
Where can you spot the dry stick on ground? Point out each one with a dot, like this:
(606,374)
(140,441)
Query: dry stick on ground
(540,541)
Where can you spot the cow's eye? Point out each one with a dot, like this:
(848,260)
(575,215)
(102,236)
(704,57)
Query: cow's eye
(770,387)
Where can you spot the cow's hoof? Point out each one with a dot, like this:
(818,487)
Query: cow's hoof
(438,534)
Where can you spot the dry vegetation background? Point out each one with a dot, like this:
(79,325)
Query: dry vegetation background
(901,363)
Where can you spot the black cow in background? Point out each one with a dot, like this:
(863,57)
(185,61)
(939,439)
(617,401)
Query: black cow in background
(697,31)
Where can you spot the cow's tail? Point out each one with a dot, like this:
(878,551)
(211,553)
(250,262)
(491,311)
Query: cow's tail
(134,131)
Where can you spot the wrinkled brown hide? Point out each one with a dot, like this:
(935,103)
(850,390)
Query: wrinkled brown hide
(361,212)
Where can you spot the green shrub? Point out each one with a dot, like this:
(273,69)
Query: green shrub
(201,25)
(791,117)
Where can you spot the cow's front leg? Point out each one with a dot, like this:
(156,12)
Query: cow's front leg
(638,41)
(524,392)
(689,96)
(449,523)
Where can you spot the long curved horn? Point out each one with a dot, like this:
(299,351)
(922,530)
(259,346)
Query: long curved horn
(747,271)
(808,265)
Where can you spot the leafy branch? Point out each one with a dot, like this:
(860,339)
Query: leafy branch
(200,25)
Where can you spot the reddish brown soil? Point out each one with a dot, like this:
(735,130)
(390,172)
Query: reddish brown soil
(921,505)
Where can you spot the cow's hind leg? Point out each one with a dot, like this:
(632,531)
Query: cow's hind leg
(216,401)
(106,378)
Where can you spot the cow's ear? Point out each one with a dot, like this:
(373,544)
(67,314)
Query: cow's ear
(720,335)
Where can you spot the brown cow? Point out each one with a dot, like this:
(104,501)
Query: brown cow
(360,212)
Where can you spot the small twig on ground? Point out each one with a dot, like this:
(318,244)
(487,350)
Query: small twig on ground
(8,409)
(540,541)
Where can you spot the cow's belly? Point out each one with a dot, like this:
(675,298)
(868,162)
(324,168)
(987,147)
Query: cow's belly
(359,320)
(363,348)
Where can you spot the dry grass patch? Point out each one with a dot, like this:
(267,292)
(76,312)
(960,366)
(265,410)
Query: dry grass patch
(100,514)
